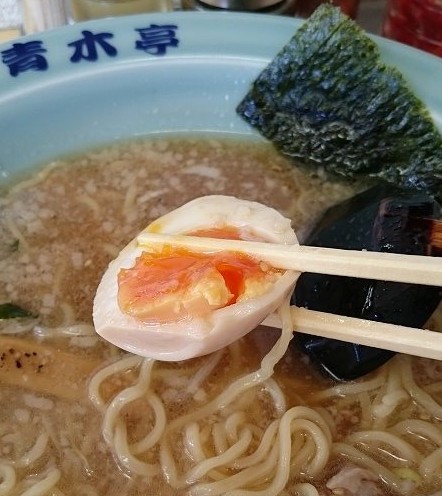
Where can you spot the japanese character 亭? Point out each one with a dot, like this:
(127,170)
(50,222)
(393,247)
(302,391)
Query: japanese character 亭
(155,39)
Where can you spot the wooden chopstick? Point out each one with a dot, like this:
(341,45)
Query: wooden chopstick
(418,342)
(414,269)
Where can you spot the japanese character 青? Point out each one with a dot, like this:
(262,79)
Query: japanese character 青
(24,57)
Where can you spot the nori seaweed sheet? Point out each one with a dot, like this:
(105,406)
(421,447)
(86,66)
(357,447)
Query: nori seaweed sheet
(329,101)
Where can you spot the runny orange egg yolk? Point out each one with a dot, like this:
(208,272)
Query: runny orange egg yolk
(175,284)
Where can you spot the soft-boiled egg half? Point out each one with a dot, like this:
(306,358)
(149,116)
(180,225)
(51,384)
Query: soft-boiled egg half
(170,303)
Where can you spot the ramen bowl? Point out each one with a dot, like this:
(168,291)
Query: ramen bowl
(106,126)
(76,91)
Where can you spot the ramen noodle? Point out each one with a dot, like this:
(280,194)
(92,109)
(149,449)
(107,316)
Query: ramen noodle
(81,417)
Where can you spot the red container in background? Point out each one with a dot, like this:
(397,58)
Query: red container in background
(415,22)
(306,7)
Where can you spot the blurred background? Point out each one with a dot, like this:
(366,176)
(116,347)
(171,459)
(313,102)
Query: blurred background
(414,22)
(19,17)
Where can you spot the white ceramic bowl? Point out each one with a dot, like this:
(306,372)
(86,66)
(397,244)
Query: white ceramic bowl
(209,60)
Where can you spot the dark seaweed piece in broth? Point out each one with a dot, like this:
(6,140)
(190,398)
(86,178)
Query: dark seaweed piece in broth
(379,219)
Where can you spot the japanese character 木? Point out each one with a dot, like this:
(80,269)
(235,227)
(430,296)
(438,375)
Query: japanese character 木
(86,48)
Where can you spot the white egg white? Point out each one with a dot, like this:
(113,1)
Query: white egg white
(197,336)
